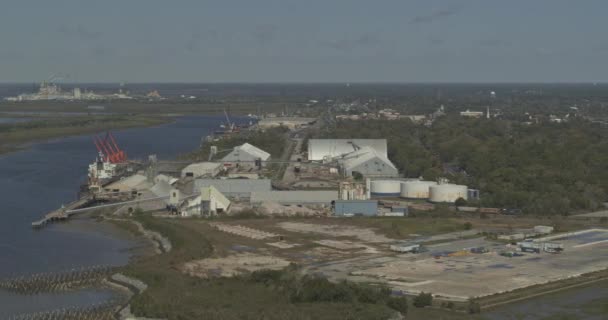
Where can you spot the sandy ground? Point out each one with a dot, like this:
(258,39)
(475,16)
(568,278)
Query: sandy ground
(243,231)
(363,234)
(233,265)
(347,245)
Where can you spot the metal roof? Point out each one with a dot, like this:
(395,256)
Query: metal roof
(363,155)
(252,150)
(202,168)
(161,189)
(321,148)
(294,196)
(228,186)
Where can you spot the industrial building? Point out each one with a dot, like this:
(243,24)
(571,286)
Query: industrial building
(295,197)
(134,182)
(239,189)
(200,169)
(369,163)
(352,191)
(246,155)
(416,189)
(384,188)
(432,191)
(322,149)
(210,202)
(163,189)
(166,178)
(447,192)
(355,207)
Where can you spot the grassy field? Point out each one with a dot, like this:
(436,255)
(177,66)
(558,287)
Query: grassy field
(13,135)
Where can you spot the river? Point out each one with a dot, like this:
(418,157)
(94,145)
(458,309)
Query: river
(46,175)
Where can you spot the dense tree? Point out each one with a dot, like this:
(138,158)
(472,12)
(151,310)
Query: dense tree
(546,168)
(423,300)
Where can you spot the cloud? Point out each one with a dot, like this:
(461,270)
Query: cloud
(11,55)
(79,31)
(600,48)
(264,33)
(362,41)
(101,52)
(492,43)
(436,41)
(436,15)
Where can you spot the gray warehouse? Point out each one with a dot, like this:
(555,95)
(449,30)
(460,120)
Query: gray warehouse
(235,188)
(368,162)
(356,207)
(245,155)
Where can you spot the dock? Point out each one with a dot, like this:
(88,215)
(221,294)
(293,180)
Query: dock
(62,213)
(112,199)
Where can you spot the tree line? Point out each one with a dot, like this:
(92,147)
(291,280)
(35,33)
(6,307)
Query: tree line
(542,168)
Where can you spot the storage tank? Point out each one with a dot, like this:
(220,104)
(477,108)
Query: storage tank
(447,192)
(416,189)
(385,188)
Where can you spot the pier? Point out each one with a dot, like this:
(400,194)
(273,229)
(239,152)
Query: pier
(82,205)
(62,213)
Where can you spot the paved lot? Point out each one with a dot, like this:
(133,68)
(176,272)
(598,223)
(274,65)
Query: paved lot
(462,275)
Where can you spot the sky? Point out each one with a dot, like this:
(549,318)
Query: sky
(304,40)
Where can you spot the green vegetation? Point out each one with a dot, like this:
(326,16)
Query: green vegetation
(284,294)
(423,300)
(543,169)
(396,227)
(272,141)
(14,134)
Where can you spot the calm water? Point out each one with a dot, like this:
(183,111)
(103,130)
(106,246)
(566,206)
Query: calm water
(46,175)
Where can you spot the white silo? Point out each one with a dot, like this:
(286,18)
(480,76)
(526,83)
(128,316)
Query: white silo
(385,188)
(447,192)
(416,189)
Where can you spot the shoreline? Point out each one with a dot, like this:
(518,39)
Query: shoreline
(12,147)
(124,283)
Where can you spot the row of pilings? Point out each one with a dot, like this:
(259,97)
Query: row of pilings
(55,282)
(102,311)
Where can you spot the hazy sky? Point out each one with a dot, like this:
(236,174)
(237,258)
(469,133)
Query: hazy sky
(304,40)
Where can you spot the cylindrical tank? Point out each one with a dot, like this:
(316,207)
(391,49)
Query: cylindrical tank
(385,188)
(416,189)
(447,192)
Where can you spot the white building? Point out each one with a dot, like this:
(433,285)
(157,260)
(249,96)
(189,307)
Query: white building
(320,149)
(368,162)
(246,155)
(210,202)
(200,169)
(471,114)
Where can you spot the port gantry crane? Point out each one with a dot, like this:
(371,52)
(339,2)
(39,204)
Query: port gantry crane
(109,150)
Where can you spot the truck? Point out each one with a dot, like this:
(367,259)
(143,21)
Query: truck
(537,247)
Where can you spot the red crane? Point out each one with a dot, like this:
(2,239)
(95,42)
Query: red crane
(108,148)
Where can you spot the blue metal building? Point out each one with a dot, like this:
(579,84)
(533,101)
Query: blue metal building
(356,207)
